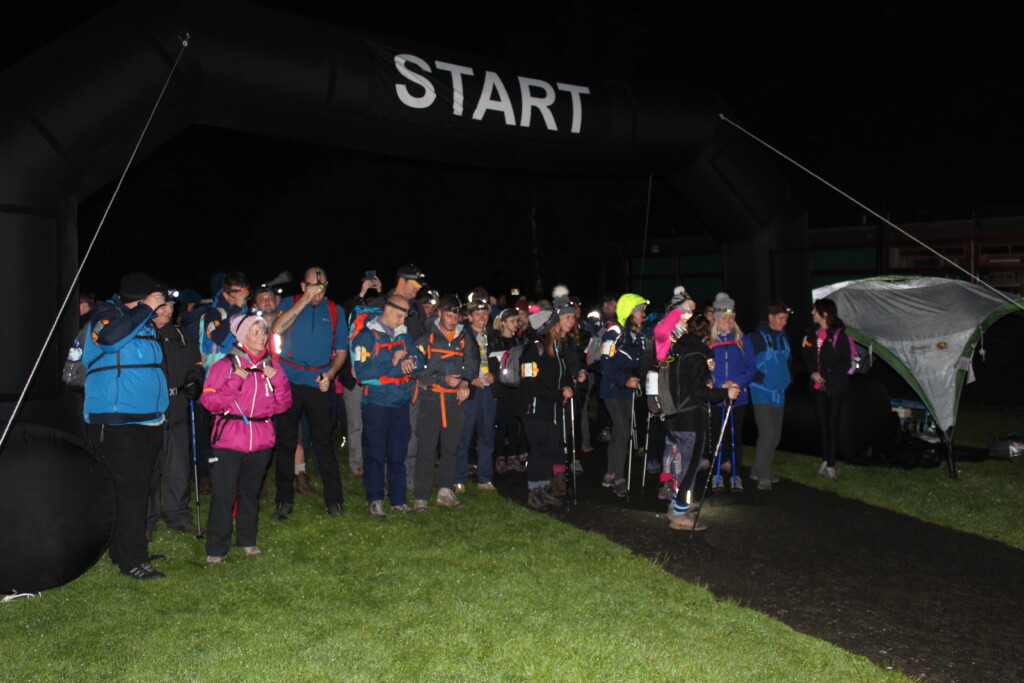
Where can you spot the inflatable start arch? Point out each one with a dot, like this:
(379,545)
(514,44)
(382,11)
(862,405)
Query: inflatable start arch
(71,113)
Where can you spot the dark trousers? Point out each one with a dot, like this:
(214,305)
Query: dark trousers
(769,433)
(618,448)
(386,430)
(316,406)
(508,427)
(430,433)
(827,408)
(130,452)
(174,471)
(480,413)
(545,439)
(234,474)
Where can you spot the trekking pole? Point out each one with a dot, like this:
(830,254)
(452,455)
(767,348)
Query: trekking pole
(632,443)
(565,453)
(707,482)
(195,466)
(647,446)
(572,436)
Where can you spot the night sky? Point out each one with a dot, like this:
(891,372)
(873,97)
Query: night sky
(909,107)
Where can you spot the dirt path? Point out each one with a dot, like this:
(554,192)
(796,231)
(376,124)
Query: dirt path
(921,598)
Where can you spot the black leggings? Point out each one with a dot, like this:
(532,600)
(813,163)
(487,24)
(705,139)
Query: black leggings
(827,407)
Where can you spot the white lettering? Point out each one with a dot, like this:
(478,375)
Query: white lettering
(408,99)
(542,103)
(577,109)
(493,84)
(458,92)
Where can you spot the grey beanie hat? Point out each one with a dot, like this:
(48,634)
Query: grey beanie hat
(563,305)
(541,321)
(724,305)
(679,295)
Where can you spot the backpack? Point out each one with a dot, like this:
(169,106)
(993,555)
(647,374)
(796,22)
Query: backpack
(657,387)
(75,370)
(854,357)
(511,373)
(208,350)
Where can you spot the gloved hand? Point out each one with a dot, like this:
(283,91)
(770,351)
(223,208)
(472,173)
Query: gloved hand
(192,389)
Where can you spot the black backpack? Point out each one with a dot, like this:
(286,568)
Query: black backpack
(659,398)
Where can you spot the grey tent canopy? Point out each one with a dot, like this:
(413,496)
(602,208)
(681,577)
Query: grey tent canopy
(926,328)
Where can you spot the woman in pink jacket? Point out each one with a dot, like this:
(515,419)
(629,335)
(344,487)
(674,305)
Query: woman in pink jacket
(244,390)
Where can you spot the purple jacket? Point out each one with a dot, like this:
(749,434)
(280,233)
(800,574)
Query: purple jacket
(258,399)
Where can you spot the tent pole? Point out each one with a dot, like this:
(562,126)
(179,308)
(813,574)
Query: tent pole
(950,458)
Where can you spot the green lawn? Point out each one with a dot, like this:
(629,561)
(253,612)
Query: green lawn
(488,592)
(987,499)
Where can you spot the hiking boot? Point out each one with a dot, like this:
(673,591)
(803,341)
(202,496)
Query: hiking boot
(667,491)
(486,486)
(736,484)
(303,487)
(558,488)
(515,463)
(446,498)
(336,510)
(252,551)
(608,481)
(772,480)
(460,488)
(687,522)
(548,496)
(653,466)
(676,514)
(419,505)
(143,570)
(587,448)
(499,465)
(830,473)
(402,509)
(213,560)
(577,466)
(619,488)
(764,485)
(605,435)
(281,511)
(187,528)
(717,485)
(536,500)
(377,509)
(824,466)
(204,485)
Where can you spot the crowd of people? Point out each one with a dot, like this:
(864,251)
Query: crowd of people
(420,386)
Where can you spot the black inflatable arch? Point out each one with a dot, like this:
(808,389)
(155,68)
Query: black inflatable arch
(70,114)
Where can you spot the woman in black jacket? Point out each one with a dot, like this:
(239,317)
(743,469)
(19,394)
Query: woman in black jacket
(545,387)
(692,387)
(509,443)
(826,351)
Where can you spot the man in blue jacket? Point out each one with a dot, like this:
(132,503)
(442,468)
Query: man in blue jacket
(125,401)
(314,346)
(383,358)
(768,389)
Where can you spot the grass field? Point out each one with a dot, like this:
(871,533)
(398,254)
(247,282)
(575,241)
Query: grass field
(489,592)
(987,499)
